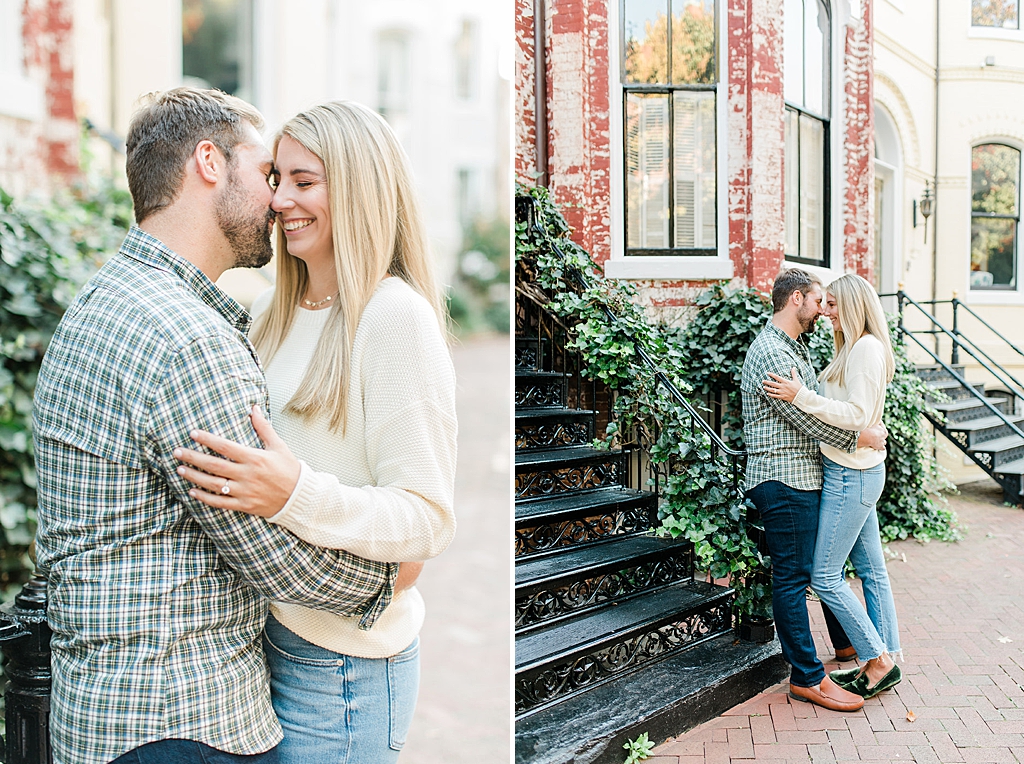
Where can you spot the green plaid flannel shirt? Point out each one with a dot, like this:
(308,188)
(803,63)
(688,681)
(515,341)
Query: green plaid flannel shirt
(156,601)
(781,440)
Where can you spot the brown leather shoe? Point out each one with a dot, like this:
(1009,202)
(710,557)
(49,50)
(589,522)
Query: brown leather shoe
(846,654)
(829,695)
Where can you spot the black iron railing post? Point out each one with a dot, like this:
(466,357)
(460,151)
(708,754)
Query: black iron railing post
(955,356)
(25,641)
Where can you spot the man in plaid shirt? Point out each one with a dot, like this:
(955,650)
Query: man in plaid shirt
(156,601)
(784,476)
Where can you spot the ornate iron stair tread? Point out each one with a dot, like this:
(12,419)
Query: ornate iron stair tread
(528,461)
(999,444)
(983,423)
(615,623)
(663,699)
(966,403)
(531,512)
(527,415)
(560,566)
(1010,468)
(524,373)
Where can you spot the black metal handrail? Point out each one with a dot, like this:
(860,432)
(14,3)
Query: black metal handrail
(902,297)
(696,421)
(958,303)
(1004,377)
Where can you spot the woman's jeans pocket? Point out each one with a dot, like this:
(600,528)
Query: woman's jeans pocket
(872,483)
(339,708)
(403,687)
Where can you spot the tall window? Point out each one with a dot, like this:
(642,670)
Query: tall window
(1003,14)
(465,61)
(393,76)
(806,76)
(995,216)
(216,44)
(669,79)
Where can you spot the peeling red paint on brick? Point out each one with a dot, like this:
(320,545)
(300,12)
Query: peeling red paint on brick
(578,119)
(526,123)
(859,144)
(49,58)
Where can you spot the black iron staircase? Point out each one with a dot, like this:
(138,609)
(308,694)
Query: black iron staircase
(614,635)
(985,420)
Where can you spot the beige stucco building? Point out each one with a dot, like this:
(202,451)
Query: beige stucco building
(949,116)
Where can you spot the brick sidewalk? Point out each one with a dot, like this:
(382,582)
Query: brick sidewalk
(961,612)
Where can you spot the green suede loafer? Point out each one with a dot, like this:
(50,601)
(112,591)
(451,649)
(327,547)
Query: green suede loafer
(859,686)
(843,677)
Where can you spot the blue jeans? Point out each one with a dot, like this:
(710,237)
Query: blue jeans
(848,527)
(790,519)
(337,708)
(190,752)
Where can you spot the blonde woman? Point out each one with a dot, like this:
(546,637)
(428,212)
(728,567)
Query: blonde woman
(362,391)
(854,395)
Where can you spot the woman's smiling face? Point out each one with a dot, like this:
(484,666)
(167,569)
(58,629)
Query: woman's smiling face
(831,311)
(301,202)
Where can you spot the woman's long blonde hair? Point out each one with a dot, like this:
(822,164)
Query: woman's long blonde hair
(377,230)
(860,310)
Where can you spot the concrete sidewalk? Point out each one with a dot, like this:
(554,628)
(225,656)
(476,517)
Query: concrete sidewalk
(961,612)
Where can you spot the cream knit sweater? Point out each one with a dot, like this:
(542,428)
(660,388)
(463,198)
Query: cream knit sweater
(855,406)
(385,489)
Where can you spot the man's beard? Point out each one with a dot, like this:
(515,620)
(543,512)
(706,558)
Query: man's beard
(807,323)
(246,229)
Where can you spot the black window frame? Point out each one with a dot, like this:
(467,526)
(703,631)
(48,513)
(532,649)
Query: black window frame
(669,90)
(826,168)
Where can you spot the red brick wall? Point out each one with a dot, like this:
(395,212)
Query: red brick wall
(859,145)
(526,124)
(48,59)
(579,141)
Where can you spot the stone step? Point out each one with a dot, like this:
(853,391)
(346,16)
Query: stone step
(575,654)
(569,581)
(662,699)
(566,470)
(582,518)
(553,427)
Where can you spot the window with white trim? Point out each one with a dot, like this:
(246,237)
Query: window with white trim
(1002,14)
(995,216)
(669,84)
(807,48)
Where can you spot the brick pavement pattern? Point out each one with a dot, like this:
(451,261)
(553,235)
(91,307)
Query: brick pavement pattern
(961,614)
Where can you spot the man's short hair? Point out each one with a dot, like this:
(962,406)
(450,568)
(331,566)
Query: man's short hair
(789,281)
(164,132)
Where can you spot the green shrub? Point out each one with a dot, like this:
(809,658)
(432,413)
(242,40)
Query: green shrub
(480,299)
(47,251)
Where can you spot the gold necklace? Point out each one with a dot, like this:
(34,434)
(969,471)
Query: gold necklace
(318,303)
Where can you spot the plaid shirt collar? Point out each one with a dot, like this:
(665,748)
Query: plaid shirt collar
(796,345)
(149,250)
